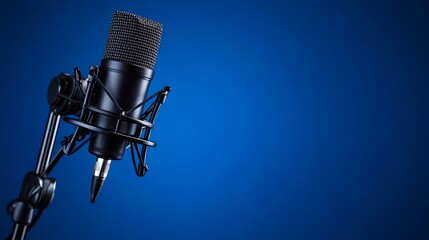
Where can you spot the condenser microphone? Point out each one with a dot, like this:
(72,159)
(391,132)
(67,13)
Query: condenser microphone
(125,71)
(107,109)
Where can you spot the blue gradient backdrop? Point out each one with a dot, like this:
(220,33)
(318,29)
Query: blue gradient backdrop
(287,120)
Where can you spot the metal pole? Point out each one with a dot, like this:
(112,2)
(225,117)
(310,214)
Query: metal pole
(18,232)
(48,142)
(51,129)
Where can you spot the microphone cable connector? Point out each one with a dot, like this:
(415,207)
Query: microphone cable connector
(101,169)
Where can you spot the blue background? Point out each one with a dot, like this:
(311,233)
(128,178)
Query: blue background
(287,120)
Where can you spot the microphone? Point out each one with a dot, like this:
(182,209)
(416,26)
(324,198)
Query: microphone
(109,106)
(125,71)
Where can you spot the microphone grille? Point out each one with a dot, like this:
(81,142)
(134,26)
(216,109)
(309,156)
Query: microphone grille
(133,39)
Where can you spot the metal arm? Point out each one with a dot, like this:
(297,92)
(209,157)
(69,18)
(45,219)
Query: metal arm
(48,142)
(37,191)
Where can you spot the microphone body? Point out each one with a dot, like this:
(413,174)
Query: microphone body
(128,85)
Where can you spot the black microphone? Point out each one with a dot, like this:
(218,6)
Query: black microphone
(109,108)
(125,71)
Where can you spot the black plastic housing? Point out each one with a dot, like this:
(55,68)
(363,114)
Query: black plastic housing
(128,85)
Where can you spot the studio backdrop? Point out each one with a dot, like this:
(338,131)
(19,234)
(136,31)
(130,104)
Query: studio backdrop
(285,120)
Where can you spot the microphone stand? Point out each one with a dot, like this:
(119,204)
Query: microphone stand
(37,190)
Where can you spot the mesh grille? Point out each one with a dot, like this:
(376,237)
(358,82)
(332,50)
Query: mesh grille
(133,39)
